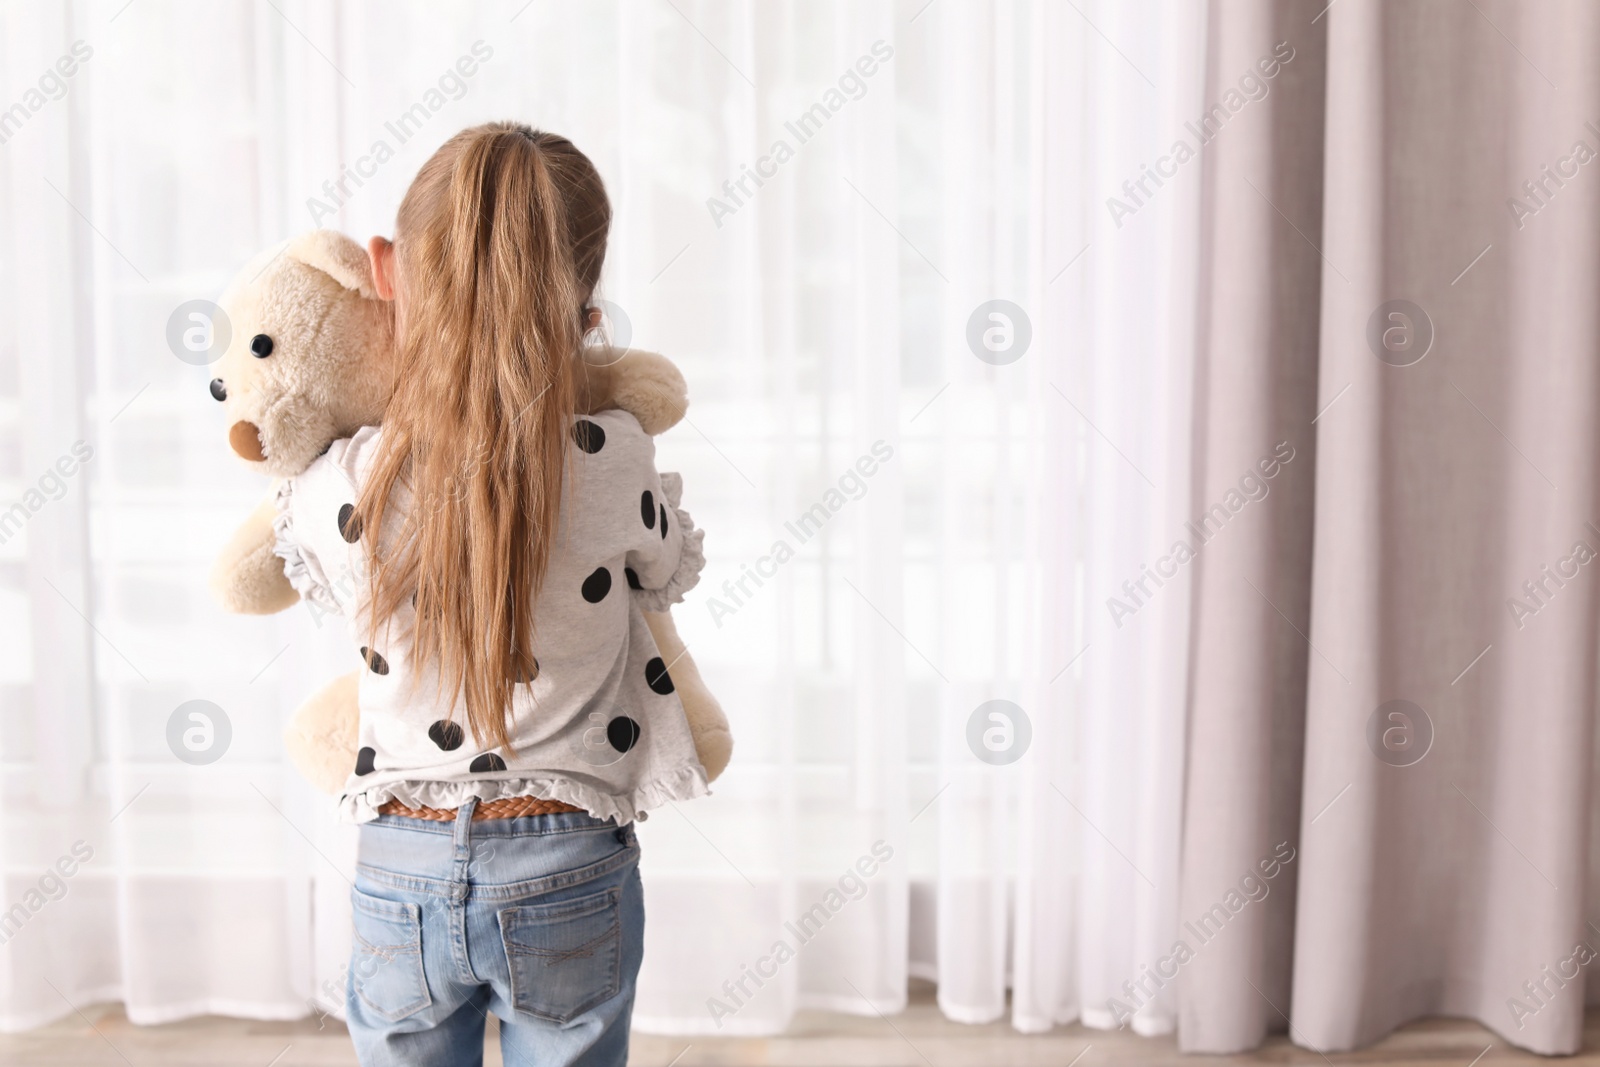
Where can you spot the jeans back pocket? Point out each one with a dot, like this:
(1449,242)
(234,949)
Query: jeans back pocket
(386,966)
(566,957)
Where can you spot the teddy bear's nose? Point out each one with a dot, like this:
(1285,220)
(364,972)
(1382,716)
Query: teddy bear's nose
(246,440)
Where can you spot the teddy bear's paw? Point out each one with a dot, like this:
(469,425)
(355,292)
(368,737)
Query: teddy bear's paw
(247,577)
(714,745)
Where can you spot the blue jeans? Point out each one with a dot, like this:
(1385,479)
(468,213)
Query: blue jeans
(539,920)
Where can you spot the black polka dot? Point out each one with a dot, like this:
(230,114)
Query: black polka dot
(364,760)
(446,734)
(589,436)
(622,732)
(487,762)
(375,663)
(597,585)
(647,509)
(349,524)
(656,676)
(633,578)
(524,675)
(663,522)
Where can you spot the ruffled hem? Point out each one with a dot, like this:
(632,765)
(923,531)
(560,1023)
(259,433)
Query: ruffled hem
(687,783)
(691,557)
(286,548)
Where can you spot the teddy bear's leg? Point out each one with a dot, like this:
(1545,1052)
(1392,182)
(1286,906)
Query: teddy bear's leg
(713,741)
(321,738)
(247,577)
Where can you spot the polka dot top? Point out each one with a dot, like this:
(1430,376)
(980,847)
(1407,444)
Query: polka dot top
(596,724)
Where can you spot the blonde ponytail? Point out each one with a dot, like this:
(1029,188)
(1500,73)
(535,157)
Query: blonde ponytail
(500,241)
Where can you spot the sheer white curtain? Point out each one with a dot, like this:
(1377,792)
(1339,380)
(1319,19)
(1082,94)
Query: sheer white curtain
(900,531)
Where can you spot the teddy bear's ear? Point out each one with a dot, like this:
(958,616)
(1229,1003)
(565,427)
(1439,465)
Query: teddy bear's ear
(337,256)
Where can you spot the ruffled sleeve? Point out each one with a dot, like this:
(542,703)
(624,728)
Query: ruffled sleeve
(685,575)
(301,564)
(313,510)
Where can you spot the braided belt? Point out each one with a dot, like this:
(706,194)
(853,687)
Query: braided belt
(504,808)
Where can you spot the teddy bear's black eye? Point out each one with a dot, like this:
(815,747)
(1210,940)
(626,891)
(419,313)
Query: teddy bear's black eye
(261,345)
(218,390)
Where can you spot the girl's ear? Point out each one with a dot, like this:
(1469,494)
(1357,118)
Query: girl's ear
(380,253)
(337,256)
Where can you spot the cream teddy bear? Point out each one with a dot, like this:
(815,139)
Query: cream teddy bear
(309,361)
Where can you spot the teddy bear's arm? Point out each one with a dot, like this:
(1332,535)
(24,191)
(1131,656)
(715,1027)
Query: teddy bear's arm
(248,577)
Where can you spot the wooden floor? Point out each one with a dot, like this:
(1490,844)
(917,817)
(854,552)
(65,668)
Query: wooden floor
(920,1037)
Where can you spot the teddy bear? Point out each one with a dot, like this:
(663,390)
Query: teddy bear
(310,360)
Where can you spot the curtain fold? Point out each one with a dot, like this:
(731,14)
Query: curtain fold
(1394,651)
(1129,400)
(1255,396)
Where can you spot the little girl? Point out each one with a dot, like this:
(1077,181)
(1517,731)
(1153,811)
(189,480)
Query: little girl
(486,544)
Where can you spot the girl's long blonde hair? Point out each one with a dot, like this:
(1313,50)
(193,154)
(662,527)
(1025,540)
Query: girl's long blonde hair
(499,244)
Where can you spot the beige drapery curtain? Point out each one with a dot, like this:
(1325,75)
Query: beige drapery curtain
(1430,541)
